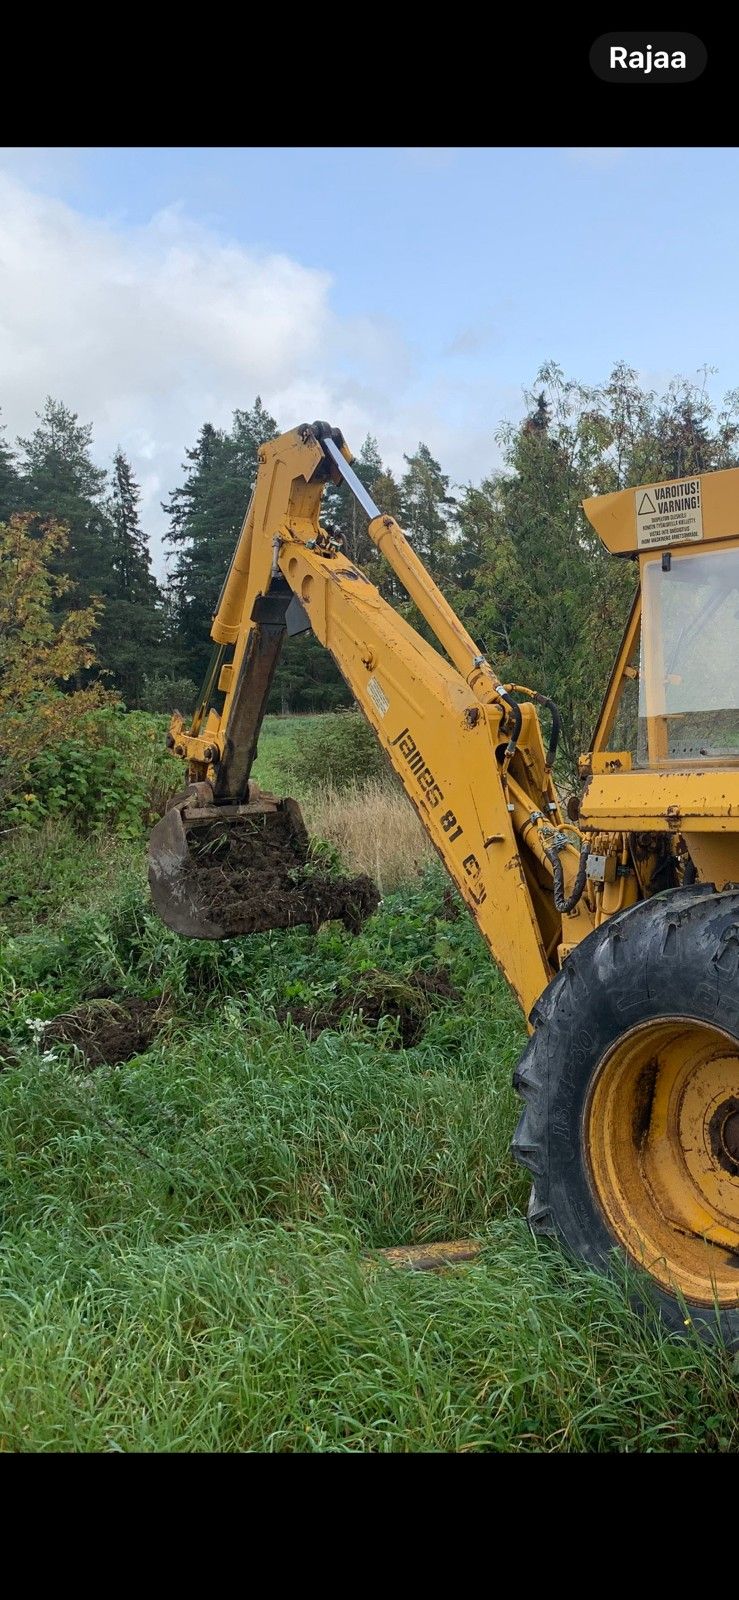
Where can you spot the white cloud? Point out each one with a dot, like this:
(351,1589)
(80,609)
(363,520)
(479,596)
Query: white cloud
(149,331)
(146,332)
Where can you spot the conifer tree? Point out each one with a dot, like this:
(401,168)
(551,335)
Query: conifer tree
(131,629)
(60,481)
(206,513)
(427,507)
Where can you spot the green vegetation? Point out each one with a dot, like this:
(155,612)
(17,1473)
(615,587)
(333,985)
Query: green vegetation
(106,559)
(304,753)
(187,1236)
(513,551)
(166,692)
(114,773)
(279,740)
(188,1232)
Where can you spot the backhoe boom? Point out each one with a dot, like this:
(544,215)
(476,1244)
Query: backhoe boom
(471,760)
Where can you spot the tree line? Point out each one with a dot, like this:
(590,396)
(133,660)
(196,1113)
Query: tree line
(513,553)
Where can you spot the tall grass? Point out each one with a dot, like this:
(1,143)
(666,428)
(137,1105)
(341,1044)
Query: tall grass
(47,871)
(185,1238)
(188,1238)
(374,828)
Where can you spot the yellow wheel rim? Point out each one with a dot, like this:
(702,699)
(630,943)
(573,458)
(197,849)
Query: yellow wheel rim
(662,1138)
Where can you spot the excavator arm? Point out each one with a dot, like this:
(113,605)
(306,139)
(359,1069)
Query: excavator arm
(468,753)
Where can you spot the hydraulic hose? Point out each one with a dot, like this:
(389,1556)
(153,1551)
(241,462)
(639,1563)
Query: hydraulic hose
(515,711)
(556,728)
(506,691)
(565,905)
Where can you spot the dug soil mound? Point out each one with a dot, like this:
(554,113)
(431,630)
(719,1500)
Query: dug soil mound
(107,1031)
(252,875)
(376,995)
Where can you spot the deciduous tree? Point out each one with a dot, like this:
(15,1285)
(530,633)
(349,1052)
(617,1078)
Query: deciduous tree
(38,651)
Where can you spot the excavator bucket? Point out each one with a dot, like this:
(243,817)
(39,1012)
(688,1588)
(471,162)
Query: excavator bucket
(217,871)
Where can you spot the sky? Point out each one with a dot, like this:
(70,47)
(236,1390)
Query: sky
(409,293)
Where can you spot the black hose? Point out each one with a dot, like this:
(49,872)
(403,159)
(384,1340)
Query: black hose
(515,711)
(556,728)
(562,905)
(555,731)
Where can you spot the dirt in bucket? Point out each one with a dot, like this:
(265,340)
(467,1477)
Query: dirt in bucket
(375,995)
(254,874)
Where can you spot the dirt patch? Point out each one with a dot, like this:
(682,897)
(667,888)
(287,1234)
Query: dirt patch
(376,995)
(107,1031)
(252,875)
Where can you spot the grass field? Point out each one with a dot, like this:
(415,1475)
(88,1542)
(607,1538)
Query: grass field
(187,1237)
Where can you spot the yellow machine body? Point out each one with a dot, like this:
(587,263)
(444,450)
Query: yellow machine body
(439,718)
(631,1076)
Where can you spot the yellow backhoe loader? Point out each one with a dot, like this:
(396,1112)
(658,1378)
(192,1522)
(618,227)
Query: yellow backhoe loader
(615,918)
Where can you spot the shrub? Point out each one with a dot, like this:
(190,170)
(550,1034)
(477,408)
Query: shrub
(48,870)
(114,775)
(165,693)
(91,786)
(338,749)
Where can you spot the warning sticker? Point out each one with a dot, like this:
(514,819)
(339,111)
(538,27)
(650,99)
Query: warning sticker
(669,513)
(378,695)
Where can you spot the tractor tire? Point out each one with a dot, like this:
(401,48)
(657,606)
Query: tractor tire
(630,1126)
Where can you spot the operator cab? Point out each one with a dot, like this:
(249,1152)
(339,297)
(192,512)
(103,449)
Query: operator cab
(673,699)
(678,698)
(665,755)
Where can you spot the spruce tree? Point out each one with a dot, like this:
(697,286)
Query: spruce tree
(427,508)
(206,513)
(60,482)
(131,630)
